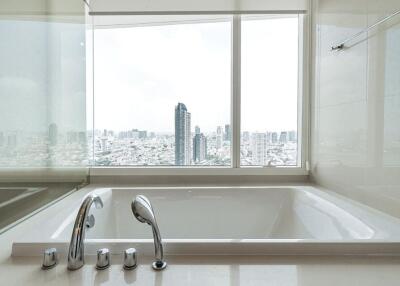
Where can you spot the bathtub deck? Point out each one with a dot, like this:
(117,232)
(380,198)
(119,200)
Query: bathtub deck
(212,270)
(199,270)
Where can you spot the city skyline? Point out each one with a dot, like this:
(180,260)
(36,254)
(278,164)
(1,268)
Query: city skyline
(186,147)
(141,148)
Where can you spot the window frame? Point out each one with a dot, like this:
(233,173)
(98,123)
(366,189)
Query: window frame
(235,168)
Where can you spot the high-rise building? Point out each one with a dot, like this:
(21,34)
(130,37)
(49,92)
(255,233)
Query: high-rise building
(53,134)
(274,137)
(199,146)
(292,136)
(105,147)
(142,134)
(269,135)
(182,135)
(259,148)
(219,138)
(283,137)
(227,135)
(134,134)
(196,130)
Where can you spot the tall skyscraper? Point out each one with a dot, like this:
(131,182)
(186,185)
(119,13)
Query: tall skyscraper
(259,148)
(182,135)
(196,130)
(1,139)
(199,146)
(227,135)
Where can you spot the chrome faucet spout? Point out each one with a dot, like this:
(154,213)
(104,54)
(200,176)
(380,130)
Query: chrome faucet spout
(143,211)
(76,250)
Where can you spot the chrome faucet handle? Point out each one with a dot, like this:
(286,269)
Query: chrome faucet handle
(130,261)
(103,259)
(50,258)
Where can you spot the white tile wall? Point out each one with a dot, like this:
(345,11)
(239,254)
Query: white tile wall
(356,103)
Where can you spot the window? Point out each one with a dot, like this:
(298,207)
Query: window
(162,94)
(163,90)
(269,90)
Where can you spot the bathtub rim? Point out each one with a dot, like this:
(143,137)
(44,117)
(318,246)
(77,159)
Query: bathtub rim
(378,247)
(363,247)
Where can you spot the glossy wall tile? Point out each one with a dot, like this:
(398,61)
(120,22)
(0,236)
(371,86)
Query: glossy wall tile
(356,110)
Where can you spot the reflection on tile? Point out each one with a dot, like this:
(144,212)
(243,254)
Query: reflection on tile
(342,135)
(391,134)
(356,128)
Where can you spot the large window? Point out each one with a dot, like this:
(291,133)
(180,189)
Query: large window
(269,91)
(166,94)
(162,93)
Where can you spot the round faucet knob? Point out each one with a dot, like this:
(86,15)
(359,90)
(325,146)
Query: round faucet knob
(50,258)
(103,259)
(130,261)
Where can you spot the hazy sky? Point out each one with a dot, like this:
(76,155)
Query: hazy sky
(141,73)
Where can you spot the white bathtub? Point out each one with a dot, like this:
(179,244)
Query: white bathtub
(222,220)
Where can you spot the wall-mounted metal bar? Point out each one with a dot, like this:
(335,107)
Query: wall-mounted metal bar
(342,44)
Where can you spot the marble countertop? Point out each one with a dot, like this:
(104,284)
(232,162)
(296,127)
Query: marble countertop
(213,270)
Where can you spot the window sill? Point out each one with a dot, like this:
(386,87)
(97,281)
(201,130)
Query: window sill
(197,171)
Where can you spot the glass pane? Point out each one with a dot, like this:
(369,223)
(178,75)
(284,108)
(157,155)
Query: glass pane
(42,109)
(42,88)
(269,74)
(162,91)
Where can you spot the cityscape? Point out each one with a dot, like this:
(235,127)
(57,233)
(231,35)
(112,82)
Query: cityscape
(189,146)
(185,147)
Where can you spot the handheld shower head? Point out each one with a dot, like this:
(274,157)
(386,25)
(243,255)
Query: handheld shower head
(143,211)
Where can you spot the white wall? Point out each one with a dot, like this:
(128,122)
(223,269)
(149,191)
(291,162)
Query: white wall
(356,102)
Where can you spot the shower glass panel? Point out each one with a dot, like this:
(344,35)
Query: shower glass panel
(43,136)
